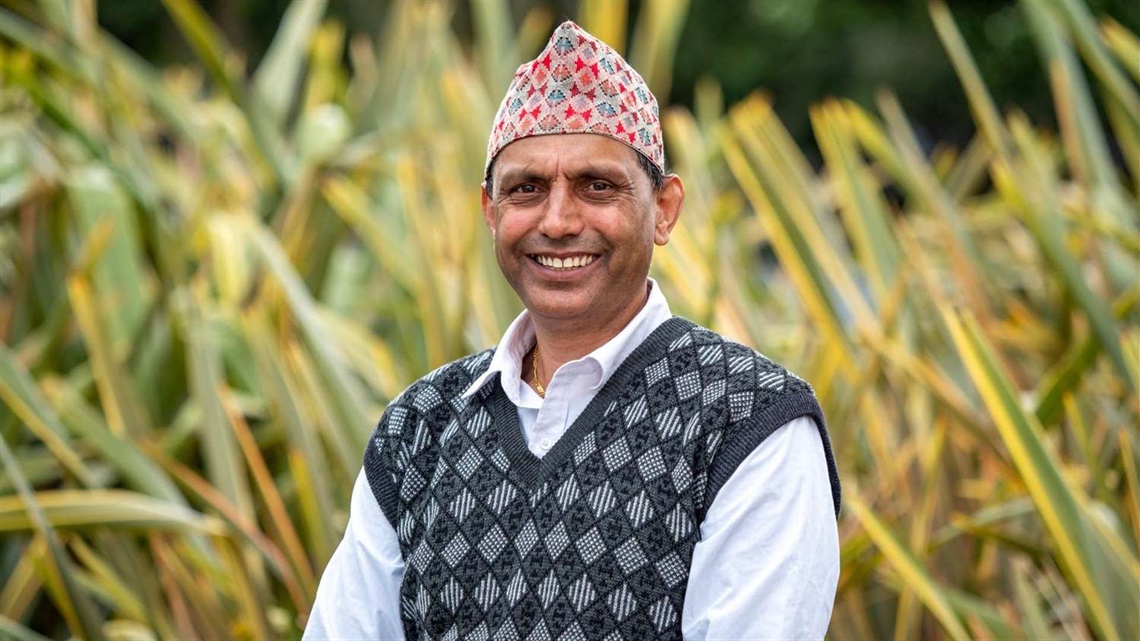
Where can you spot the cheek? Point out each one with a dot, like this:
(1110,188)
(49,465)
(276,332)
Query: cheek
(508,226)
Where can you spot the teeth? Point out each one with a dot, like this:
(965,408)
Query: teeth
(560,263)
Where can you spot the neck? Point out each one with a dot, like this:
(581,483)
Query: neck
(562,340)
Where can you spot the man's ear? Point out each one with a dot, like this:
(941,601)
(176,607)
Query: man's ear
(669,201)
(486,203)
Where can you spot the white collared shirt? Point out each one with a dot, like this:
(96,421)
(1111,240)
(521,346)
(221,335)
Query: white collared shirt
(767,564)
(574,384)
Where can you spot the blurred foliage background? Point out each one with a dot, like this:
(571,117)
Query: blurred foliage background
(230,232)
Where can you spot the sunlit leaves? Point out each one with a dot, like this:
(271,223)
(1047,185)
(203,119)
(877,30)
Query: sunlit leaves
(212,284)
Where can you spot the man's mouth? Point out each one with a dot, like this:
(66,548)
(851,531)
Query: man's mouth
(563,263)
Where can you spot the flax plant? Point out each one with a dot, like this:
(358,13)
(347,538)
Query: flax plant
(213,278)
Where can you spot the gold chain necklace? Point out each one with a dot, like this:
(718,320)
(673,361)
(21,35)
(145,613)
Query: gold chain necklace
(534,373)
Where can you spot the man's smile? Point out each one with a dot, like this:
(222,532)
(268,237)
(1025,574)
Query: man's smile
(575,261)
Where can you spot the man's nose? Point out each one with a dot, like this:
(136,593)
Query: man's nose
(562,215)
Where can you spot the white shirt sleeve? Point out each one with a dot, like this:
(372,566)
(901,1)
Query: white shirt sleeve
(767,565)
(359,593)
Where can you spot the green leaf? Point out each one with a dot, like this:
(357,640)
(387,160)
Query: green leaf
(19,392)
(278,77)
(1109,588)
(30,510)
(909,569)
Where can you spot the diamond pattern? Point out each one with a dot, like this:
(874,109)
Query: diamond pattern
(582,593)
(557,541)
(621,602)
(651,464)
(568,493)
(462,505)
(539,633)
(412,485)
(455,550)
(595,546)
(630,556)
(517,588)
(712,392)
(663,614)
(574,633)
(492,544)
(469,463)
(586,449)
(508,632)
(451,595)
(591,546)
(503,494)
(634,413)
(488,591)
(602,499)
(657,372)
(527,538)
(617,454)
(672,570)
(688,385)
(639,509)
(548,589)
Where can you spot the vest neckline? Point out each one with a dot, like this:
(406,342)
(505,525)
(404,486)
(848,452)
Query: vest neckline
(531,469)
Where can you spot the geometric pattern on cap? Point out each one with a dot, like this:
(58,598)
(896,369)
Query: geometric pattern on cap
(578,84)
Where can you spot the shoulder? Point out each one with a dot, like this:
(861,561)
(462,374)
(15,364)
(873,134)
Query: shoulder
(745,370)
(438,393)
(444,383)
(762,396)
(404,427)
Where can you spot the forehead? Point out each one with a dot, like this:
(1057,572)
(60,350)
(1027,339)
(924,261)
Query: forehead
(565,152)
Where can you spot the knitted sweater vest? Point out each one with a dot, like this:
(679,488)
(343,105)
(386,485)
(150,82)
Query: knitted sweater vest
(594,540)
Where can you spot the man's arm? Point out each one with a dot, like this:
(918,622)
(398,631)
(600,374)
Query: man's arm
(767,565)
(359,593)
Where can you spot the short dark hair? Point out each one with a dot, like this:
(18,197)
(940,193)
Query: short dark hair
(656,176)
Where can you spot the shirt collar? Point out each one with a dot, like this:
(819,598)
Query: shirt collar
(519,338)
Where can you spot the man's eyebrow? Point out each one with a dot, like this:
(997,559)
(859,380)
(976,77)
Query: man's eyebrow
(601,170)
(596,169)
(518,174)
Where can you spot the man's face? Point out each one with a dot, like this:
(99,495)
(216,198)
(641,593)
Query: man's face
(574,219)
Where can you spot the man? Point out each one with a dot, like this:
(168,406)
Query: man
(608,471)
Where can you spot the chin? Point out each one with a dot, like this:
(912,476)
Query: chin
(584,305)
(562,310)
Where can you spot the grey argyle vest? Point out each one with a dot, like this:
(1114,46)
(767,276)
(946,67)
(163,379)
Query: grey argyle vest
(594,540)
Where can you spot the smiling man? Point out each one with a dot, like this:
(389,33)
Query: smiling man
(609,470)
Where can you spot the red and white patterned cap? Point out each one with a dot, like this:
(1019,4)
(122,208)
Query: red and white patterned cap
(578,84)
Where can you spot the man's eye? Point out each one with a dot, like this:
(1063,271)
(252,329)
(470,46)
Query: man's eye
(524,189)
(599,185)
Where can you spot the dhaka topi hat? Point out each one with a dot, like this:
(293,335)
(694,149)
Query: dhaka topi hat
(578,84)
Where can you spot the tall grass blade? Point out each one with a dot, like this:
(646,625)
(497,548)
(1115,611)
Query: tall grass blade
(27,508)
(19,392)
(22,584)
(12,630)
(277,79)
(908,568)
(78,509)
(279,517)
(222,457)
(1038,201)
(1109,589)
(655,42)
(1095,53)
(125,413)
(1031,187)
(607,20)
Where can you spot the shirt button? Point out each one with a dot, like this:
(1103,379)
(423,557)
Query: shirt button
(545,444)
